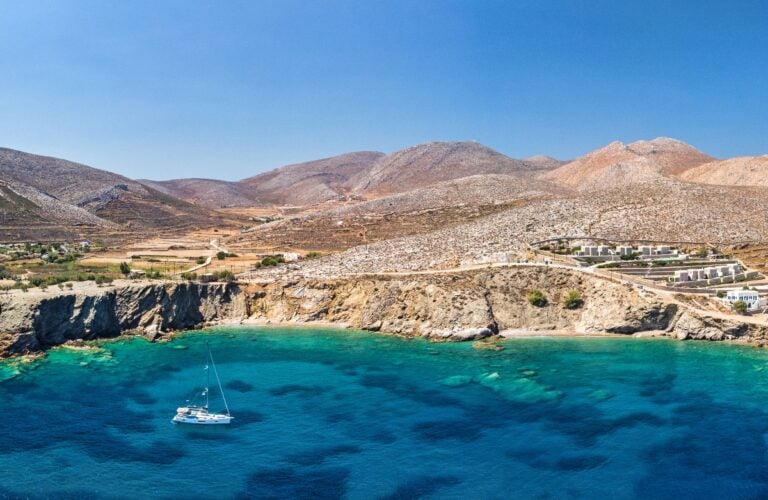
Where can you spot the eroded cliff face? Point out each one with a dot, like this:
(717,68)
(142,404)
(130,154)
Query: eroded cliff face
(32,323)
(461,306)
(448,306)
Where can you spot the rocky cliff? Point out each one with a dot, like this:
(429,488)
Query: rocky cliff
(442,306)
(34,322)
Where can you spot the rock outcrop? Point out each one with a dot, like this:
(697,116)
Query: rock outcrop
(690,326)
(457,306)
(33,323)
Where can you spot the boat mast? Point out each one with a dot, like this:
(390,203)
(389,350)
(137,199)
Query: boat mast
(207,377)
(218,381)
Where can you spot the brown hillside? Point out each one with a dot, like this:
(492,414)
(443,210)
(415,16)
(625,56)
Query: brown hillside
(311,182)
(741,171)
(208,193)
(620,164)
(69,199)
(427,164)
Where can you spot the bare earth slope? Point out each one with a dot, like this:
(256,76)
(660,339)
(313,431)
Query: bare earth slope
(740,171)
(620,164)
(659,211)
(69,199)
(426,209)
(427,164)
(311,182)
(208,193)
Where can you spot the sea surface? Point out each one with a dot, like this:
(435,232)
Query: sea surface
(336,413)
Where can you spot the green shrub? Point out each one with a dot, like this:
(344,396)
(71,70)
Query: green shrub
(573,300)
(125,269)
(740,306)
(537,298)
(227,276)
(272,260)
(221,255)
(200,260)
(720,294)
(312,255)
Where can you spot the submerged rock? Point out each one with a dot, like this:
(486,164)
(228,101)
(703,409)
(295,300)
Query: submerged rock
(457,380)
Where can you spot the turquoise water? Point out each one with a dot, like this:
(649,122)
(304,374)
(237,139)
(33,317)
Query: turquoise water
(325,413)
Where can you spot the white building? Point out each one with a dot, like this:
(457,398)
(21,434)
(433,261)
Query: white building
(751,297)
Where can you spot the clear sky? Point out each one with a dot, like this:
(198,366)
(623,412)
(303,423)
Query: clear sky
(162,89)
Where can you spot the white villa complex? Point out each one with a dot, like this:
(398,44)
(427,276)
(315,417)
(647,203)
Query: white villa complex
(750,297)
(642,252)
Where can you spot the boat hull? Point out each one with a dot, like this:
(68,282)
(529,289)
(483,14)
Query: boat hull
(197,417)
(222,420)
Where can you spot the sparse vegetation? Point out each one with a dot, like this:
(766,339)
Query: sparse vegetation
(537,298)
(272,260)
(226,276)
(312,255)
(573,300)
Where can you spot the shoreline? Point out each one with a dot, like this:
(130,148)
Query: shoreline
(444,307)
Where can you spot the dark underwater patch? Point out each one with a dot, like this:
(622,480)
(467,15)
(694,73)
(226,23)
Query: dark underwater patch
(142,398)
(335,418)
(657,386)
(545,459)
(422,486)
(383,437)
(303,390)
(160,453)
(77,494)
(239,386)
(246,417)
(318,456)
(581,462)
(393,384)
(465,430)
(296,483)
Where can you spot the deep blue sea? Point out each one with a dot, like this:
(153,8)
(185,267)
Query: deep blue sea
(343,414)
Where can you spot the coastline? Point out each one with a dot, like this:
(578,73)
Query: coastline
(443,307)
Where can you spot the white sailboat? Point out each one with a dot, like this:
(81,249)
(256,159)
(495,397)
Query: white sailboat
(200,414)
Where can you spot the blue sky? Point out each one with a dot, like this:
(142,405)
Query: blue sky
(165,89)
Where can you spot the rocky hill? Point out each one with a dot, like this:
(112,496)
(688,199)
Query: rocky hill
(364,174)
(443,204)
(208,193)
(740,171)
(619,164)
(659,211)
(50,198)
(311,182)
(427,164)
